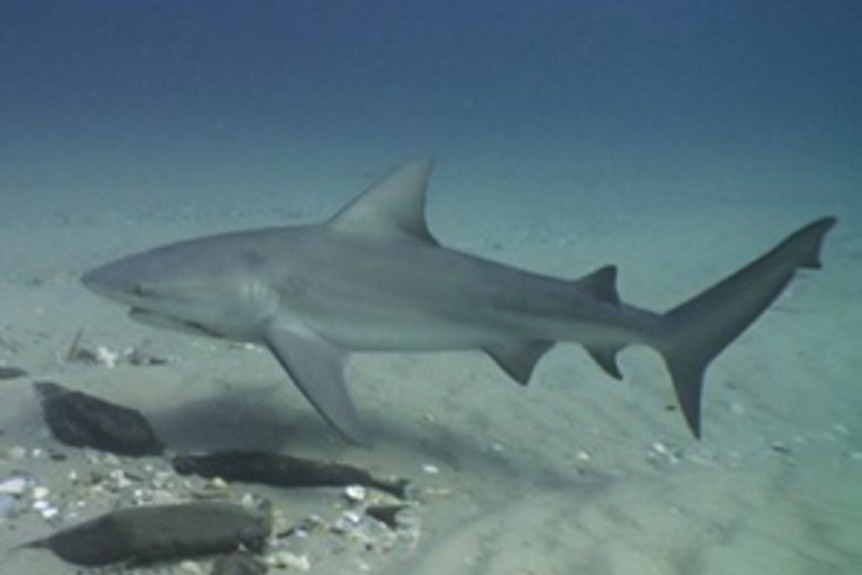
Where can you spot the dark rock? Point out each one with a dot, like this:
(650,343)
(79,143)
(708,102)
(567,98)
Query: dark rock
(143,535)
(9,372)
(283,471)
(386,514)
(82,420)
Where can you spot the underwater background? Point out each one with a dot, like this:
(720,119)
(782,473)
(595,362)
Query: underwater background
(676,139)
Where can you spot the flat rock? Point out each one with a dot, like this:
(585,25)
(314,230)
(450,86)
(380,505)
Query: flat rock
(81,420)
(148,534)
(284,471)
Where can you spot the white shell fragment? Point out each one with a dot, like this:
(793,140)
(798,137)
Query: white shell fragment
(356,493)
(660,453)
(347,522)
(41,492)
(49,513)
(14,486)
(106,357)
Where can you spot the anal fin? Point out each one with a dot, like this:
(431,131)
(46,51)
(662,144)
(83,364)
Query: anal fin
(606,357)
(518,360)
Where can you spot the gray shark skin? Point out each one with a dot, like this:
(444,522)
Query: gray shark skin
(373,278)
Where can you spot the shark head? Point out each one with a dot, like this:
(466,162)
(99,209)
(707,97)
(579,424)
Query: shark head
(188,287)
(309,294)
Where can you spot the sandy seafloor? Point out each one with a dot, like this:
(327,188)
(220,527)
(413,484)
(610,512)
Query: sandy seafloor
(575,473)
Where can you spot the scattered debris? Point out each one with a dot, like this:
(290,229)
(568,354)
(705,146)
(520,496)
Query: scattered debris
(239,563)
(82,420)
(79,354)
(659,453)
(347,522)
(137,356)
(285,471)
(355,493)
(106,357)
(161,532)
(186,508)
(286,560)
(15,485)
(386,514)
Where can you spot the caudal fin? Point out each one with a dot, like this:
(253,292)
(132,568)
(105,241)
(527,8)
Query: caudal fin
(694,333)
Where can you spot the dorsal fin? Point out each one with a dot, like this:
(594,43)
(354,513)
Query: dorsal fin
(601,284)
(394,207)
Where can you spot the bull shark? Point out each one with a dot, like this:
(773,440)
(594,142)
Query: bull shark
(374,278)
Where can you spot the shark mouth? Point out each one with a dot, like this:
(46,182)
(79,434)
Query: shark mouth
(156,319)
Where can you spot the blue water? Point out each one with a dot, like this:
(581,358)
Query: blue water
(129,97)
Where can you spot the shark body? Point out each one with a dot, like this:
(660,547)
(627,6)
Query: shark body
(373,278)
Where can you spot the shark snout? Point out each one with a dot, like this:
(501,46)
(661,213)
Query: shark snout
(111,280)
(100,280)
(90,279)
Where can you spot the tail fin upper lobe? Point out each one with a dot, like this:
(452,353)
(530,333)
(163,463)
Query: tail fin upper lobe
(694,333)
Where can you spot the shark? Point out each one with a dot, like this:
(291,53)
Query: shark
(374,278)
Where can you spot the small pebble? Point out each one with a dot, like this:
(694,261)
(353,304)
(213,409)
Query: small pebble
(287,560)
(106,357)
(118,479)
(217,483)
(40,492)
(14,486)
(659,452)
(49,513)
(347,522)
(191,567)
(430,469)
(355,493)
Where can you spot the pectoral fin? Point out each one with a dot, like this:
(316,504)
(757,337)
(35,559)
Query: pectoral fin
(317,368)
